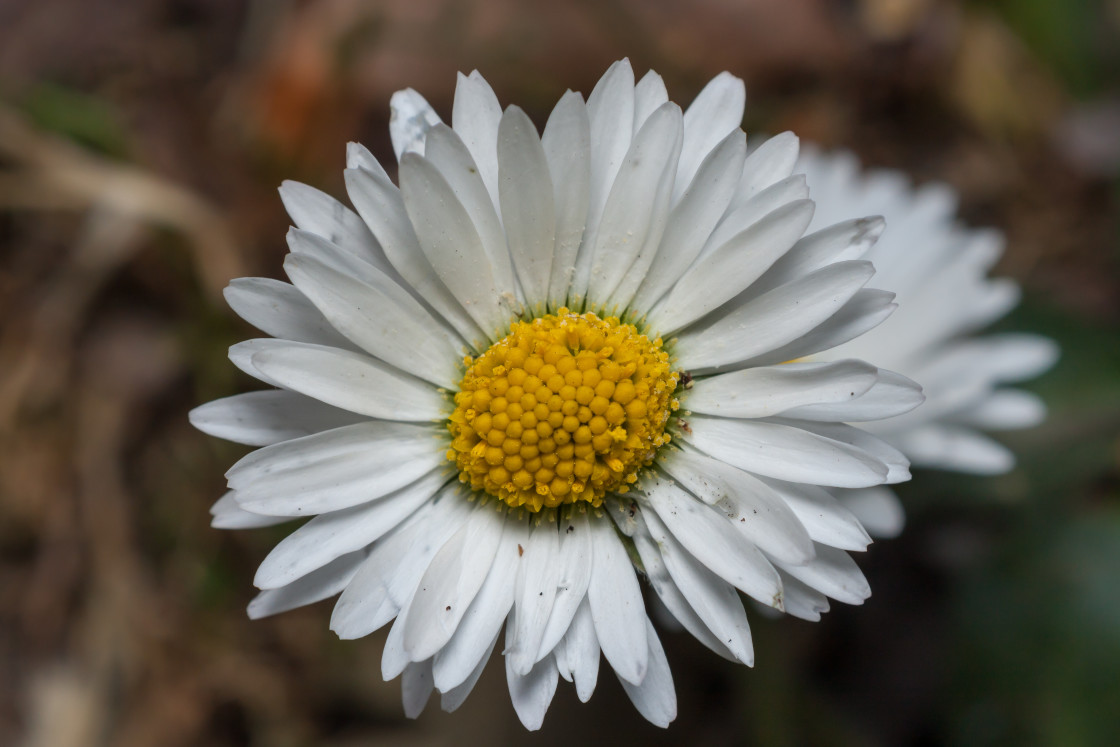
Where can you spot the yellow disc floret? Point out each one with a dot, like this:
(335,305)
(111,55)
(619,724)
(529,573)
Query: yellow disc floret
(566,408)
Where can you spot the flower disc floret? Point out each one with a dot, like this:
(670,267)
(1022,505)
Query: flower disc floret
(565,408)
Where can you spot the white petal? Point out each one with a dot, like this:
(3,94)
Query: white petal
(332,254)
(575,575)
(450,700)
(380,204)
(892,394)
(581,649)
(933,204)
(842,242)
(694,217)
(672,597)
(318,213)
(633,217)
(280,310)
(314,587)
(790,189)
(359,157)
(878,510)
(773,319)
(567,145)
(616,604)
(450,242)
(713,541)
(241,355)
(785,452)
(989,300)
(960,377)
(228,515)
(1006,409)
(460,658)
(394,659)
(560,656)
(716,111)
(380,316)
(713,600)
(833,573)
(1003,357)
(351,381)
(328,536)
(952,391)
(528,207)
(867,309)
(769,390)
(897,464)
(410,118)
(386,581)
(475,115)
(531,693)
(928,209)
(729,269)
(959,449)
(416,687)
(826,520)
(610,112)
(945,301)
(623,295)
(451,582)
(649,95)
(538,577)
(766,165)
(268,417)
(802,601)
(831,174)
(655,698)
(626,516)
(449,154)
(335,469)
(750,505)
(657,609)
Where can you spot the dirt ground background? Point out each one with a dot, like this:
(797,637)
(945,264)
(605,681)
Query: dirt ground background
(140,146)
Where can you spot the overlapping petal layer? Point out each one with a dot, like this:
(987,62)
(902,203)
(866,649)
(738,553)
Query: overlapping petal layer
(938,270)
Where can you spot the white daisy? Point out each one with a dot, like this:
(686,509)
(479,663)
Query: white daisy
(542,360)
(938,270)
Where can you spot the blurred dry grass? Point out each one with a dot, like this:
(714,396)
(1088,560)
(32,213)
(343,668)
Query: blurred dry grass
(140,144)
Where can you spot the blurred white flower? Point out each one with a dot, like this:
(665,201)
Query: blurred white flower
(938,270)
(474,400)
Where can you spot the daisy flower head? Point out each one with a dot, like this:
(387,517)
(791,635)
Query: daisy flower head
(547,365)
(938,270)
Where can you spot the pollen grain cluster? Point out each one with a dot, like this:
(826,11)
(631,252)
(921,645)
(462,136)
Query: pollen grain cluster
(565,408)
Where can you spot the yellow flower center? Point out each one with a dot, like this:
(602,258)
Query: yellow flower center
(565,408)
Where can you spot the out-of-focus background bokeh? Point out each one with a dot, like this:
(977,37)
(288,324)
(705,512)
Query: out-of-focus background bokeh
(141,143)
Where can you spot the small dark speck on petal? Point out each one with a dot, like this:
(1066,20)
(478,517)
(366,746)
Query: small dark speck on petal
(520,551)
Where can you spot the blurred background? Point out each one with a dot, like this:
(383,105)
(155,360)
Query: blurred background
(141,143)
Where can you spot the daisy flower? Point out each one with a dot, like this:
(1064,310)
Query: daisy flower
(938,270)
(545,365)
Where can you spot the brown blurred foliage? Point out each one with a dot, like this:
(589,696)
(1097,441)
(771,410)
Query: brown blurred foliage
(140,144)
